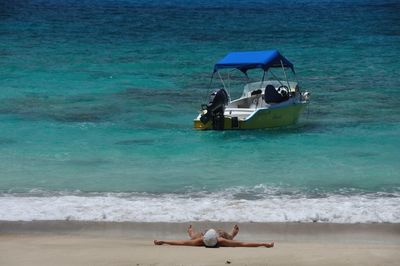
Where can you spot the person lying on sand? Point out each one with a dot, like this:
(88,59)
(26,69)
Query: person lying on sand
(212,239)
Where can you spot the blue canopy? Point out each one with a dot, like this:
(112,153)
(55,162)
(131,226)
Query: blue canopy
(254,59)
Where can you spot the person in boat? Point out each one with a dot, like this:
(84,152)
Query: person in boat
(213,238)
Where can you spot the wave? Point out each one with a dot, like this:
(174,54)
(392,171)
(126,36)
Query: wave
(231,205)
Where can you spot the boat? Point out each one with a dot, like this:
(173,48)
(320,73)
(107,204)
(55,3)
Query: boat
(274,101)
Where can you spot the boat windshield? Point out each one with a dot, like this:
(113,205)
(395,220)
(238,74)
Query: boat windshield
(234,80)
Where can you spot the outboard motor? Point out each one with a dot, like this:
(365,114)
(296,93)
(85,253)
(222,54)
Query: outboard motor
(215,108)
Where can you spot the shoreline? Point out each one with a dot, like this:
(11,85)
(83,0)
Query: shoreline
(130,243)
(374,232)
(272,205)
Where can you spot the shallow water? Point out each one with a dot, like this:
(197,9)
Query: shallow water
(99,97)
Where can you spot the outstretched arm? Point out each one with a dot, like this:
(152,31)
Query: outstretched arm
(233,243)
(192,242)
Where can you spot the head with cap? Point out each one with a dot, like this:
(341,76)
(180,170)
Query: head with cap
(210,238)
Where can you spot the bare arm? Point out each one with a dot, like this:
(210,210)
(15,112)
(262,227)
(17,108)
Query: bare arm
(233,243)
(192,242)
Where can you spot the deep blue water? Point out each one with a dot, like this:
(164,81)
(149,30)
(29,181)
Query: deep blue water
(99,97)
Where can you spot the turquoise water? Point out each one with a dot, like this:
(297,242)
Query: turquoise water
(98,97)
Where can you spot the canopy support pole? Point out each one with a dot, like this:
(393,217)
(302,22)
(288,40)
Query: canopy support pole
(262,80)
(209,87)
(212,77)
(297,80)
(285,75)
(223,83)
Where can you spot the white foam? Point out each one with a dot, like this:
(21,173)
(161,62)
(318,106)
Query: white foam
(197,207)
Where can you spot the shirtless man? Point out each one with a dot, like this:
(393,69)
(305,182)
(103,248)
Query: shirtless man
(213,239)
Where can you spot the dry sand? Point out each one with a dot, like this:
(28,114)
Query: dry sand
(81,243)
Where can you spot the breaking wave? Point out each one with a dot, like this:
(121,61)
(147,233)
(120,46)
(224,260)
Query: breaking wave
(236,205)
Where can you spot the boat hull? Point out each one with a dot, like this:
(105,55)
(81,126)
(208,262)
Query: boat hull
(261,118)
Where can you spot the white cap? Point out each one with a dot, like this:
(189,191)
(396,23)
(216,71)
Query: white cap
(210,238)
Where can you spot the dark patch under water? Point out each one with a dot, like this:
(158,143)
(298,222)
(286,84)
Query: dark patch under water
(6,141)
(88,162)
(136,142)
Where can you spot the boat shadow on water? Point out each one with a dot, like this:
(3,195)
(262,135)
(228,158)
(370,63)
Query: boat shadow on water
(255,135)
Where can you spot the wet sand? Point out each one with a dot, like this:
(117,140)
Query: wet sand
(92,243)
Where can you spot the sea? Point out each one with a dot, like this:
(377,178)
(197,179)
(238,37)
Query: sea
(98,97)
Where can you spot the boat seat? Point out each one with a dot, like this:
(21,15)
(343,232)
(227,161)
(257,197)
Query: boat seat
(272,95)
(256,101)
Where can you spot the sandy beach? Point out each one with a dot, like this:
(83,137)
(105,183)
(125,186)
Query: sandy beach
(91,243)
